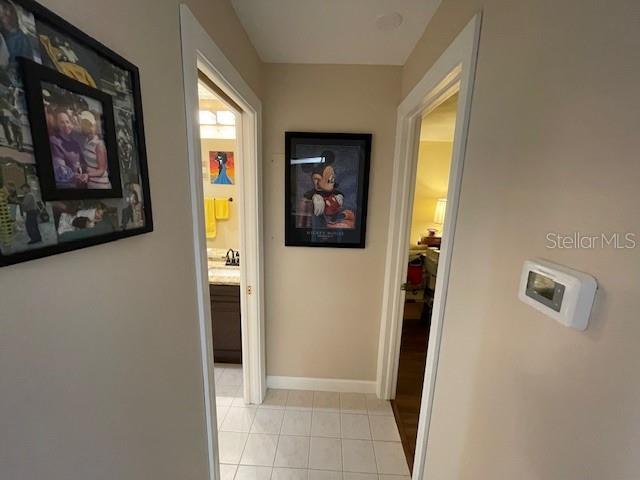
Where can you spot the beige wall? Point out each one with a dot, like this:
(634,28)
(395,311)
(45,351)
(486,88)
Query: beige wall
(219,19)
(553,147)
(228,233)
(99,352)
(432,183)
(323,304)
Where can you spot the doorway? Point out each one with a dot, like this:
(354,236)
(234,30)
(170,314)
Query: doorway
(428,216)
(219,140)
(453,73)
(201,54)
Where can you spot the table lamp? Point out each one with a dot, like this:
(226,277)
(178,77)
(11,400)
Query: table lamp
(441,210)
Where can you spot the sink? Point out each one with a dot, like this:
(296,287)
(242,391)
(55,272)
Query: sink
(219,273)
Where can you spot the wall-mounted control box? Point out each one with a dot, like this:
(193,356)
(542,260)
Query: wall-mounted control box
(559,292)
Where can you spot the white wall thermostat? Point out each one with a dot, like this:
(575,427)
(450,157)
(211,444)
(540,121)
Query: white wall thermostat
(559,292)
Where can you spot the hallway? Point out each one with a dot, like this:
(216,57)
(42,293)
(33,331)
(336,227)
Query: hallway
(299,435)
(115,348)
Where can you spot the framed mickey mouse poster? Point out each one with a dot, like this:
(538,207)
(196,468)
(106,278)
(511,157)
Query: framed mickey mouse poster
(326,189)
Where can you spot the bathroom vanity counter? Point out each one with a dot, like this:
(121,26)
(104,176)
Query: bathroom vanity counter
(224,275)
(219,272)
(224,290)
(226,323)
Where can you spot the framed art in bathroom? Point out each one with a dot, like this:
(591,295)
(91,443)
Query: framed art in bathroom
(73,164)
(326,189)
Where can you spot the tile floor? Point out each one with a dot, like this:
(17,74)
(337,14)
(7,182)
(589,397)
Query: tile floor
(302,435)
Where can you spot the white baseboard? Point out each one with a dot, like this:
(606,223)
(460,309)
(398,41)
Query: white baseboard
(321,384)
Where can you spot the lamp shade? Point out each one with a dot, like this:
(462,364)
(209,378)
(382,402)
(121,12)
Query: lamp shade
(441,210)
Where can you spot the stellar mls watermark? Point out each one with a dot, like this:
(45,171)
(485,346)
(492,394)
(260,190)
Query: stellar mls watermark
(582,241)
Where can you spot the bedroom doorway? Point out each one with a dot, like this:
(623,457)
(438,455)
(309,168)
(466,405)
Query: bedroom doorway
(427,221)
(452,75)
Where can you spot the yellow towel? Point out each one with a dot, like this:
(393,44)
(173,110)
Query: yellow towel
(222,208)
(210,217)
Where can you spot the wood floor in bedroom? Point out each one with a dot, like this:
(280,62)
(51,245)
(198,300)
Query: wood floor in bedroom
(413,356)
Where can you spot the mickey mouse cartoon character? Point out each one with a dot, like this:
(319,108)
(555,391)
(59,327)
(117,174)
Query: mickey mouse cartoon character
(328,202)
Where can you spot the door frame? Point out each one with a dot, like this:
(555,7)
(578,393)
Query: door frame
(200,52)
(453,72)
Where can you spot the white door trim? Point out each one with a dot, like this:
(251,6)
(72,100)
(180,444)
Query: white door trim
(199,52)
(453,71)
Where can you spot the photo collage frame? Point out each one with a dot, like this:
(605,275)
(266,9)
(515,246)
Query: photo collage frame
(73,166)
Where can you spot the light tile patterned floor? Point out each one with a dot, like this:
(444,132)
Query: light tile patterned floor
(302,435)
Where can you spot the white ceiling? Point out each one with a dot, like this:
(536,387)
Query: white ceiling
(334,31)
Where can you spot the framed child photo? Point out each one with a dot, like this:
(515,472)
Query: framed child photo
(74,136)
(326,189)
(73,162)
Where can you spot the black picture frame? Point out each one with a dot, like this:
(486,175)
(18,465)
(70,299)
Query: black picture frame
(34,75)
(42,14)
(341,222)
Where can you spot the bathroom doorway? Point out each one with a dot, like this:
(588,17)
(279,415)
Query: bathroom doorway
(218,117)
(202,58)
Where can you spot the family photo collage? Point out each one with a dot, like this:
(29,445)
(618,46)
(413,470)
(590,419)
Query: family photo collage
(70,166)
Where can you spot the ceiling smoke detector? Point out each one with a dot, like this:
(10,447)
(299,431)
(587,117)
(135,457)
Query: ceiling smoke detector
(389,21)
